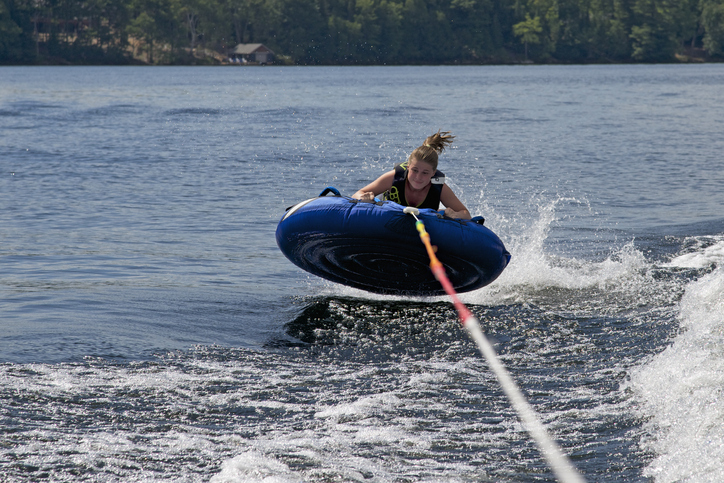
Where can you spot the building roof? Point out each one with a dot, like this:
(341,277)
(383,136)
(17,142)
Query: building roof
(243,49)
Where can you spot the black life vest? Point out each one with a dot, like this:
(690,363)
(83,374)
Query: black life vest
(397,192)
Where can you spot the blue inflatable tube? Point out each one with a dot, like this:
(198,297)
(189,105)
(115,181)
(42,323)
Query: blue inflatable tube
(376,247)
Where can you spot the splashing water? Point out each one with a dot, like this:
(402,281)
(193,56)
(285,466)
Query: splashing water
(681,389)
(535,272)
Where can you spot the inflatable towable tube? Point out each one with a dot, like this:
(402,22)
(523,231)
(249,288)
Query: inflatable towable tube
(376,247)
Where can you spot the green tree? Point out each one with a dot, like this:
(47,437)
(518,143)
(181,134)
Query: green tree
(367,48)
(189,14)
(389,18)
(654,31)
(528,31)
(548,13)
(108,26)
(686,19)
(250,18)
(153,25)
(300,30)
(615,41)
(201,19)
(11,36)
(712,19)
(415,25)
(471,29)
(143,27)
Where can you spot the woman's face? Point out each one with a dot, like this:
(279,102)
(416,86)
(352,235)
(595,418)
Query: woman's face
(419,173)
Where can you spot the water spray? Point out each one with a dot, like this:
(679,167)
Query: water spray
(560,464)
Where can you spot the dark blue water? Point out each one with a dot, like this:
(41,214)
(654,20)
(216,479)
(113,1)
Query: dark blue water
(150,329)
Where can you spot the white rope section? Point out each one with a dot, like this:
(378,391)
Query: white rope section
(559,463)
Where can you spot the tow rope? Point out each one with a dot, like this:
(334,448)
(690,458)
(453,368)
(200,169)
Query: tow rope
(560,464)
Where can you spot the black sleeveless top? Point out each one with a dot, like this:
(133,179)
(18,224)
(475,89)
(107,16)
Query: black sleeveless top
(397,192)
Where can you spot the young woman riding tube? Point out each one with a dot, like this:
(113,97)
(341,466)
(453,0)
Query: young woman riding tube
(417,182)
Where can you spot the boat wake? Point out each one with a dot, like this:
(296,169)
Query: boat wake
(680,389)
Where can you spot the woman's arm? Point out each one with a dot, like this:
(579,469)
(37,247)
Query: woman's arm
(380,185)
(454,208)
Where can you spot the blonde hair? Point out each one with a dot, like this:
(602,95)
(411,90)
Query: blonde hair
(432,146)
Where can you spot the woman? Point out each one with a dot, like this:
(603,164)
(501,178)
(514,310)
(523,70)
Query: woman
(417,182)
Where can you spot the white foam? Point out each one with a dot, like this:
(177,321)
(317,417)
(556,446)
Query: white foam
(682,390)
(362,406)
(254,467)
(537,269)
(701,257)
(533,267)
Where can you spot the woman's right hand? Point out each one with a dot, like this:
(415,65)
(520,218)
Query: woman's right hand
(380,185)
(364,196)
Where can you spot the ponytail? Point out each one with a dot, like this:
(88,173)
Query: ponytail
(432,146)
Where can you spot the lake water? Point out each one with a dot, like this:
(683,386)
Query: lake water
(151,330)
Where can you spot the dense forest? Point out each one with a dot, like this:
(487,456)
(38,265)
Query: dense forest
(361,31)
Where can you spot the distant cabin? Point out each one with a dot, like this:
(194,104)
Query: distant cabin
(251,53)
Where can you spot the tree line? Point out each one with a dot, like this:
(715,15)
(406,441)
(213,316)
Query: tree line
(361,31)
